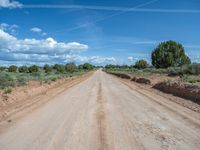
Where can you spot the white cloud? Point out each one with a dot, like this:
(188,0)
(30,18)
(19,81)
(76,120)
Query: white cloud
(132,59)
(9,28)
(97,60)
(33,46)
(36,29)
(10,4)
(46,51)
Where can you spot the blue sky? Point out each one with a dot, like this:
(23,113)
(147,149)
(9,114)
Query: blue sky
(99,32)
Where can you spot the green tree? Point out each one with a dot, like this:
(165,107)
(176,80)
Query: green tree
(2,68)
(70,67)
(169,54)
(59,68)
(47,68)
(23,69)
(33,69)
(141,64)
(12,68)
(87,66)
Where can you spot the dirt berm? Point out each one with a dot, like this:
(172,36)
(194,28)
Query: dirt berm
(121,75)
(141,80)
(190,92)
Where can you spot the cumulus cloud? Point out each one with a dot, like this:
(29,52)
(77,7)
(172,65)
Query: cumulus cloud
(10,4)
(9,28)
(132,59)
(45,51)
(97,60)
(36,29)
(33,46)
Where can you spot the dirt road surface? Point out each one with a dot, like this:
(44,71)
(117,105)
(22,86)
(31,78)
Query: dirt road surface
(104,113)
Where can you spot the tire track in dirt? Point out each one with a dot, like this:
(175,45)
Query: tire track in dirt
(102,123)
(164,104)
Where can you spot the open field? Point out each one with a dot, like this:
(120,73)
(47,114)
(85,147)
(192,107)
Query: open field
(108,113)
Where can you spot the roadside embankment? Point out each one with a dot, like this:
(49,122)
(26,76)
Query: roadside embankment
(173,86)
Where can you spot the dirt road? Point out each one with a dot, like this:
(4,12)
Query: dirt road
(104,112)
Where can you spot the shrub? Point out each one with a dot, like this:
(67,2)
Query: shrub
(7,80)
(70,67)
(193,69)
(2,68)
(7,90)
(47,68)
(141,64)
(22,80)
(59,68)
(12,68)
(87,66)
(23,69)
(54,79)
(169,54)
(33,69)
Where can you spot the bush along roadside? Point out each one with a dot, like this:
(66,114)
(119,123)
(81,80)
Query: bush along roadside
(14,76)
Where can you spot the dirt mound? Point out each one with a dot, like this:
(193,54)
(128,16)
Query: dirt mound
(182,90)
(121,75)
(141,80)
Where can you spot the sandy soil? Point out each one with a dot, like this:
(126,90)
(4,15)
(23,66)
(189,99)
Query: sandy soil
(103,112)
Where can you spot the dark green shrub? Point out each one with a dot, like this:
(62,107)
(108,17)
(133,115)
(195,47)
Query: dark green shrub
(141,64)
(2,68)
(33,69)
(70,67)
(12,68)
(23,69)
(169,54)
(47,68)
(59,68)
(87,66)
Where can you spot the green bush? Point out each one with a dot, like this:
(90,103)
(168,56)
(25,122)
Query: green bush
(87,66)
(33,69)
(59,68)
(47,68)
(12,68)
(70,67)
(7,90)
(141,64)
(23,69)
(169,54)
(3,68)
(7,80)
(193,69)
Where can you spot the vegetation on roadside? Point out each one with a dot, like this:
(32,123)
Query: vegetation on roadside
(13,76)
(168,59)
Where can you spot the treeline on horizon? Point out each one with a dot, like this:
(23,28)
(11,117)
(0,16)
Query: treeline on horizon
(59,68)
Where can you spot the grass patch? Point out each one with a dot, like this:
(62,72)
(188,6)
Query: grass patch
(7,90)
